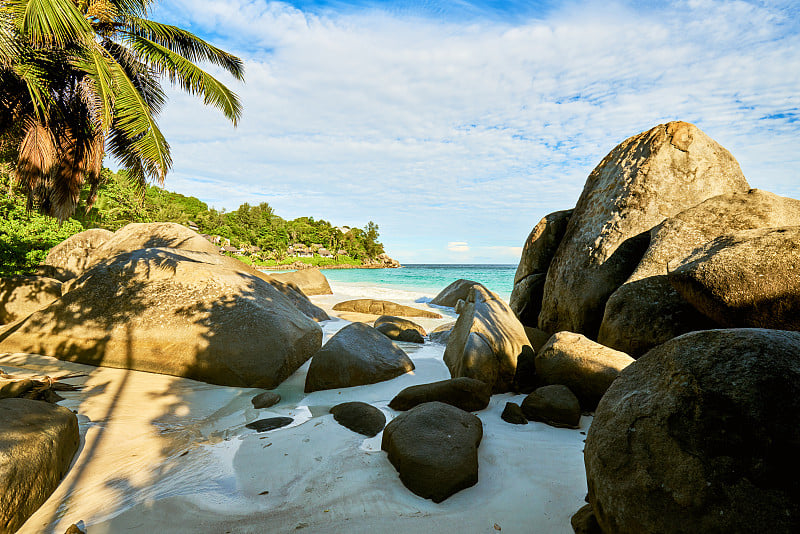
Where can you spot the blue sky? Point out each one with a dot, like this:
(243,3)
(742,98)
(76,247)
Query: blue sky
(457,125)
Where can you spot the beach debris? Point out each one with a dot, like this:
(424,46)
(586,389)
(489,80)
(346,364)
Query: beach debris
(356,355)
(555,405)
(359,417)
(468,394)
(434,447)
(270,423)
(36,387)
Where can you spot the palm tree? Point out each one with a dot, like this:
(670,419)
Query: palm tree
(79,77)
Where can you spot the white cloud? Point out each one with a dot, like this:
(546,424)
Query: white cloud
(458,246)
(440,130)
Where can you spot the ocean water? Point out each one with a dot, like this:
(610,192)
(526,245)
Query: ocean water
(419,281)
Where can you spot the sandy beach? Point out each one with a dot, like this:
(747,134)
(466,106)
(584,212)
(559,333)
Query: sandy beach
(162,453)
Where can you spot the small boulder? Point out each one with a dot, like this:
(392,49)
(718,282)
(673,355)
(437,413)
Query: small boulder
(359,417)
(270,423)
(456,291)
(585,367)
(38,442)
(466,393)
(745,279)
(20,296)
(441,333)
(356,355)
(646,178)
(584,521)
(555,405)
(72,256)
(538,252)
(383,307)
(486,341)
(434,447)
(265,400)
(399,329)
(701,433)
(513,414)
(310,281)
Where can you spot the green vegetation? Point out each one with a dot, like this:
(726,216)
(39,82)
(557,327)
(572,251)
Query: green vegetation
(79,77)
(27,236)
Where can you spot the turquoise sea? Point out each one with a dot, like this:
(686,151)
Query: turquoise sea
(426,279)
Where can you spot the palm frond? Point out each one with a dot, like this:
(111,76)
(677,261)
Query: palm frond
(189,76)
(184,43)
(49,22)
(37,157)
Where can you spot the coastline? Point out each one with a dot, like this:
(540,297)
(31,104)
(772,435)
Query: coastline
(296,267)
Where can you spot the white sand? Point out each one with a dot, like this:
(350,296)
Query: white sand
(166,454)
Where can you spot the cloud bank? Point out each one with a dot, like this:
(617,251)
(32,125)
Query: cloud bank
(448,128)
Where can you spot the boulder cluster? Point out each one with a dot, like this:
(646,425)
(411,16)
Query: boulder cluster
(672,295)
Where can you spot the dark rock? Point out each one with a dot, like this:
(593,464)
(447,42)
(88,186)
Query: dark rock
(745,279)
(163,311)
(585,367)
(646,310)
(441,333)
(541,245)
(38,441)
(456,291)
(265,400)
(584,521)
(646,178)
(486,341)
(403,324)
(357,355)
(359,417)
(525,379)
(270,423)
(701,434)
(383,307)
(537,337)
(466,393)
(555,405)
(434,447)
(513,414)
(74,529)
(392,331)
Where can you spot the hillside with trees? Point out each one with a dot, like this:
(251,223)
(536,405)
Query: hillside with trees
(254,234)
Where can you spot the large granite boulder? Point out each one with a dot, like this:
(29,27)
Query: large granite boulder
(159,311)
(466,393)
(434,447)
(585,367)
(20,296)
(37,443)
(454,292)
(72,256)
(701,434)
(356,355)
(383,307)
(646,310)
(290,291)
(541,245)
(441,333)
(309,281)
(645,179)
(745,279)
(399,329)
(486,341)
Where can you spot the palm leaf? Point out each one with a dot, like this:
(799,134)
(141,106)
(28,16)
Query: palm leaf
(49,22)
